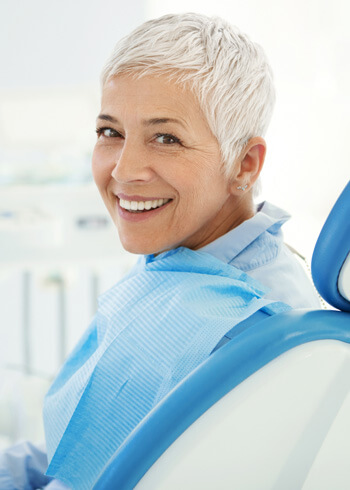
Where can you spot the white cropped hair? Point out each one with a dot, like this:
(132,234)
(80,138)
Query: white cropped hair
(228,73)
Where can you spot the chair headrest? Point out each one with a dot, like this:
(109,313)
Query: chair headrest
(330,264)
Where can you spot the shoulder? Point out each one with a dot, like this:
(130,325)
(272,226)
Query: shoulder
(287,280)
(257,248)
(265,249)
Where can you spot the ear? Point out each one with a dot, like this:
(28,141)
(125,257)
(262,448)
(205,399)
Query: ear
(248,166)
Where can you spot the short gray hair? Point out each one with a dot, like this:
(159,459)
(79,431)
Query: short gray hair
(228,73)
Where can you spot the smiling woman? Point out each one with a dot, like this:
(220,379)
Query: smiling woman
(186,101)
(159,154)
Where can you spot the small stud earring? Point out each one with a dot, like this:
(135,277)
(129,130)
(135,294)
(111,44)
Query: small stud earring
(242,188)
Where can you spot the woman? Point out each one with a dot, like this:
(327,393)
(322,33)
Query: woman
(186,101)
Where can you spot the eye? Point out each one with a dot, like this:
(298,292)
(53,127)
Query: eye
(167,139)
(108,133)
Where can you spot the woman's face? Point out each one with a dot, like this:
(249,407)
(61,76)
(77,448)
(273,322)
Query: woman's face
(158,168)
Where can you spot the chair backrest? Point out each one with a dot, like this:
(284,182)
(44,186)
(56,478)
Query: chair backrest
(331,258)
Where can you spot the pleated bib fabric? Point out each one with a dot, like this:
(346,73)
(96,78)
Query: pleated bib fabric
(151,330)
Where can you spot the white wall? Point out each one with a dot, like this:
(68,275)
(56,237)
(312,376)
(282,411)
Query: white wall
(60,42)
(51,55)
(308,44)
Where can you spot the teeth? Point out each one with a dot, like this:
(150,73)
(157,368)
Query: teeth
(142,205)
(125,204)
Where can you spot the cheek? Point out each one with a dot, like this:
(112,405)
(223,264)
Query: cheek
(208,194)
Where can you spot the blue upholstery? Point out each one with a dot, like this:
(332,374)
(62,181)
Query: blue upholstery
(331,250)
(224,370)
(252,348)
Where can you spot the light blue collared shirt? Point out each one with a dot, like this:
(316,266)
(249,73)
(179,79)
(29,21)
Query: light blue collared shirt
(256,247)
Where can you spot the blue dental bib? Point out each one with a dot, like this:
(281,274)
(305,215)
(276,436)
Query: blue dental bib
(151,329)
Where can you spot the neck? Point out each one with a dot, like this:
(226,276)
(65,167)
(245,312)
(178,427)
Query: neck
(233,213)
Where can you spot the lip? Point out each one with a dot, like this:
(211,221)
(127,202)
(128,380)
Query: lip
(137,217)
(139,198)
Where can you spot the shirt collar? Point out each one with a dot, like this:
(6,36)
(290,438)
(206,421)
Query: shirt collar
(268,218)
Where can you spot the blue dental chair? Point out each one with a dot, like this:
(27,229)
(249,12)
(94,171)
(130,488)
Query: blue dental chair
(268,410)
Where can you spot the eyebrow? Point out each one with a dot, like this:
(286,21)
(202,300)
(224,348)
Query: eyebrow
(107,117)
(146,122)
(162,120)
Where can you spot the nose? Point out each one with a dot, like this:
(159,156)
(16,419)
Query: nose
(132,164)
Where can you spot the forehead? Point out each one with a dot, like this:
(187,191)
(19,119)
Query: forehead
(151,96)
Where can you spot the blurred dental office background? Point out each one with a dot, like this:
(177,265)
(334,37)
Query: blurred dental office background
(58,248)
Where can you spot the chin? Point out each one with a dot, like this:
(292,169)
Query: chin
(139,248)
(146,247)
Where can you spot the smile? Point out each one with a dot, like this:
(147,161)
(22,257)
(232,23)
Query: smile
(141,206)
